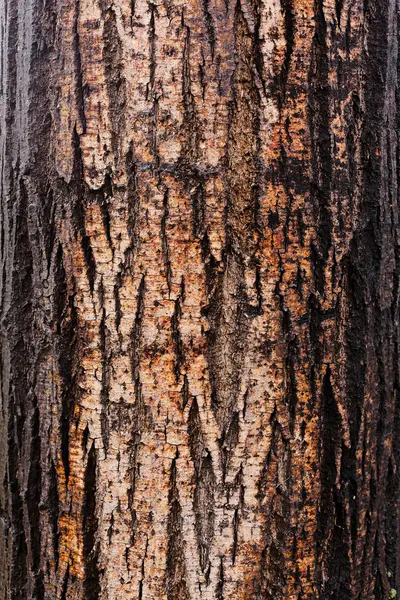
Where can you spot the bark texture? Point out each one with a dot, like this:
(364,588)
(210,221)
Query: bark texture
(199,288)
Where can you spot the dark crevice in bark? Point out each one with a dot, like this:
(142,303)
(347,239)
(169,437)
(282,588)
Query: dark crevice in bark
(203,503)
(229,310)
(379,592)
(185,392)
(228,442)
(220,585)
(67,344)
(152,41)
(242,151)
(105,380)
(301,228)
(378,258)
(117,300)
(48,226)
(384,405)
(132,195)
(19,324)
(11,81)
(338,8)
(321,147)
(176,569)
(53,506)
(89,259)
(209,26)
(194,181)
(164,241)
(235,534)
(33,500)
(276,472)
(110,529)
(391,532)
(273,220)
(143,571)
(139,408)
(137,330)
(287,165)
(197,198)
(316,317)
(19,573)
(363,261)
(38,131)
(392,510)
(64,589)
(366,375)
(133,9)
(90,528)
(352,144)
(133,477)
(79,192)
(330,515)
(103,197)
(237,514)
(115,80)
(211,272)
(202,76)
(291,363)
(175,320)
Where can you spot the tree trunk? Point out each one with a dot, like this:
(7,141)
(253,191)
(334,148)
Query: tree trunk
(200,270)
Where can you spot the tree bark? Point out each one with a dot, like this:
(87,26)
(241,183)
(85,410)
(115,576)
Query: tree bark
(199,288)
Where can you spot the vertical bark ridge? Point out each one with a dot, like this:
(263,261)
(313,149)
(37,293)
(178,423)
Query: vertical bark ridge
(176,569)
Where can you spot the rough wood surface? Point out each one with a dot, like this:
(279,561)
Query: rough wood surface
(199,300)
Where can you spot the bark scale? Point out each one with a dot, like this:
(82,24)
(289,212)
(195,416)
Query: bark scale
(199,300)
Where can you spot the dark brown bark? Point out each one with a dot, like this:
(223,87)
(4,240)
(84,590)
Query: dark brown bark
(199,300)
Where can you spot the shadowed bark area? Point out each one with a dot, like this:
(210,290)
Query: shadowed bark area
(199,296)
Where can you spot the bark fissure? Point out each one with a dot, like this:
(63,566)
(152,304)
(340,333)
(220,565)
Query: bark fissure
(90,527)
